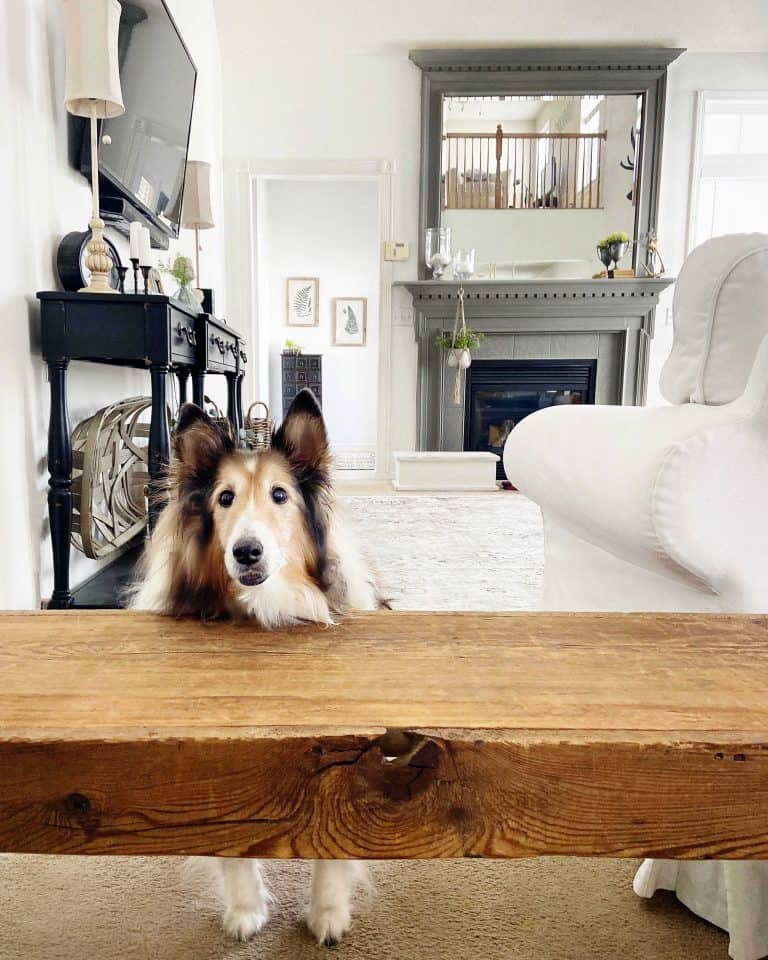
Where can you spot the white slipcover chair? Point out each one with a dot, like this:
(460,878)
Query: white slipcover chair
(666,509)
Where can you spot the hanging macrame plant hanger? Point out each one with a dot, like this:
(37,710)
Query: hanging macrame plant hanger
(460,358)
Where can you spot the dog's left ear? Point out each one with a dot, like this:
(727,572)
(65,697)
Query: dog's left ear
(200,442)
(303,439)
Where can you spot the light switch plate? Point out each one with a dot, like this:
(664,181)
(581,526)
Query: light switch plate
(396,250)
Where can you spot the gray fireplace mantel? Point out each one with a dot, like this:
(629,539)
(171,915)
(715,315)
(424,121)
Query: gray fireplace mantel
(611,321)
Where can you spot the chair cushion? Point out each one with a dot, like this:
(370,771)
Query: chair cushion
(720,316)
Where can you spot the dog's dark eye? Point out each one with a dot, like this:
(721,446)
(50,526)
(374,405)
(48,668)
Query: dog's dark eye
(226,498)
(279,495)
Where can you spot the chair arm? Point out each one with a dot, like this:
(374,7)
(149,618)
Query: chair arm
(658,487)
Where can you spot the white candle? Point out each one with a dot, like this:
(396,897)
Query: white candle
(145,249)
(135,236)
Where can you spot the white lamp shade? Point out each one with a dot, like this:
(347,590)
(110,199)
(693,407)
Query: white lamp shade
(196,206)
(93,75)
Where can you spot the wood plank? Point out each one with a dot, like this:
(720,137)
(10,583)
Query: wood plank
(392,735)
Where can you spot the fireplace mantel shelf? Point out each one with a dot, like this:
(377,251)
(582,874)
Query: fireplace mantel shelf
(551,289)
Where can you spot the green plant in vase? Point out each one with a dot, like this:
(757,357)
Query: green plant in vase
(183,273)
(459,347)
(611,249)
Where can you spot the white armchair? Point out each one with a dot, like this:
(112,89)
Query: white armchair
(667,508)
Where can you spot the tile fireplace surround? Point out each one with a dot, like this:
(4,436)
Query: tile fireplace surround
(610,321)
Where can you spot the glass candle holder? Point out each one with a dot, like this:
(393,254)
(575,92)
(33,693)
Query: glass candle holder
(464,264)
(437,249)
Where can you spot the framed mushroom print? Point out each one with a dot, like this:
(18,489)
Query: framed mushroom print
(301,301)
(350,321)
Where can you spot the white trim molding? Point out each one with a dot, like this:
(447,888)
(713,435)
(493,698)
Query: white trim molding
(244,182)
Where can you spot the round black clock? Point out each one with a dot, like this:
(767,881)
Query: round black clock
(70,261)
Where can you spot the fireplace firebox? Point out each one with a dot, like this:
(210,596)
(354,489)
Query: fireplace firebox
(500,393)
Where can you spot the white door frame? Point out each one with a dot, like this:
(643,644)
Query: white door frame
(244,184)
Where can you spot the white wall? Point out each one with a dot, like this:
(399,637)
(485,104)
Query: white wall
(328,229)
(342,87)
(43,198)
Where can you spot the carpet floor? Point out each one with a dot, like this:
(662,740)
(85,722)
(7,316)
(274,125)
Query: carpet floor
(432,552)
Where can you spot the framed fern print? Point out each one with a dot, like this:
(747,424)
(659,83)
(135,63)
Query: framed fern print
(301,295)
(350,321)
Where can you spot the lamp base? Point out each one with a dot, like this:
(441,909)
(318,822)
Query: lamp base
(98,261)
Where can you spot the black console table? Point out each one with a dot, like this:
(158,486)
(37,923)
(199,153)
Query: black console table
(151,332)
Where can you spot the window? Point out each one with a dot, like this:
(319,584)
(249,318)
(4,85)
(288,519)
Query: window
(730,177)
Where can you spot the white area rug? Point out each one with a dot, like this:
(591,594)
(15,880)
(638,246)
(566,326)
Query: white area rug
(453,553)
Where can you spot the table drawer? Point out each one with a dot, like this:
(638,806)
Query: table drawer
(183,340)
(221,350)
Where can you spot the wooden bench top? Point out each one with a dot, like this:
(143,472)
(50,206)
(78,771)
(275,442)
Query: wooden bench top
(392,735)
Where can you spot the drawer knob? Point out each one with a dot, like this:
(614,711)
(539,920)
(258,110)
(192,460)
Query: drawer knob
(185,332)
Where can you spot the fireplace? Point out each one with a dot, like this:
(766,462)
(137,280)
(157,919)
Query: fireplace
(500,393)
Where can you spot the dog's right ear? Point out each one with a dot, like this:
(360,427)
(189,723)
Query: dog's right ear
(200,442)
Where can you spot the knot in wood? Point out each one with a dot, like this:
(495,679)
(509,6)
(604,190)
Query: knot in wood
(77,803)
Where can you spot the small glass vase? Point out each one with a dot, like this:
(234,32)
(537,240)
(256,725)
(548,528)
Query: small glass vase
(186,295)
(437,250)
(464,264)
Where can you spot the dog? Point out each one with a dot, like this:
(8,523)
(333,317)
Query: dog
(257,535)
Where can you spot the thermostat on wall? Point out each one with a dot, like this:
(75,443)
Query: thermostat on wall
(396,250)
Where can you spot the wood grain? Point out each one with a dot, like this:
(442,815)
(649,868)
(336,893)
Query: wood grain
(392,735)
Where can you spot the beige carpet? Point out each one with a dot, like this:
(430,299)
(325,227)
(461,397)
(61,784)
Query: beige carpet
(78,908)
(82,908)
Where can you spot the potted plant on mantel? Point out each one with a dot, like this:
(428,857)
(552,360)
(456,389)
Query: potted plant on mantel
(611,250)
(459,346)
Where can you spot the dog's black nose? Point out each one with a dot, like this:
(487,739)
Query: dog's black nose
(247,551)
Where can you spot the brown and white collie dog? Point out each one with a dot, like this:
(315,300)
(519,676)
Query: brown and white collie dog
(256,535)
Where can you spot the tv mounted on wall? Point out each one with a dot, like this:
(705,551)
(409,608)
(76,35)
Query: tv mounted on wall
(141,172)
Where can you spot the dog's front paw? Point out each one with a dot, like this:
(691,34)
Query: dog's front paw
(329,924)
(241,923)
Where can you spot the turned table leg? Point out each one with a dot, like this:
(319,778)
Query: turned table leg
(182,375)
(59,484)
(159,441)
(239,398)
(232,410)
(198,387)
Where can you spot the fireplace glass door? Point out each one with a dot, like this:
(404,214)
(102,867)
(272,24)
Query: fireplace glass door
(500,393)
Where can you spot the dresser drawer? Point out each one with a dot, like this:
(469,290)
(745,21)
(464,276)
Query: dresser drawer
(220,350)
(183,340)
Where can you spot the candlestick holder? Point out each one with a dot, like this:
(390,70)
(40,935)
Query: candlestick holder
(437,249)
(135,263)
(121,271)
(145,268)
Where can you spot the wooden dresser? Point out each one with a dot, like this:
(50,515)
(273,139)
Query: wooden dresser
(300,371)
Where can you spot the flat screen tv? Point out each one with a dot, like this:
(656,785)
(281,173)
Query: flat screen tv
(141,172)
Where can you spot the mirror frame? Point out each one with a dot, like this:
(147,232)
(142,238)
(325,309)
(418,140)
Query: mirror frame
(544,70)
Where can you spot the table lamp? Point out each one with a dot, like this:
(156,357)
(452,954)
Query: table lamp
(92,90)
(196,207)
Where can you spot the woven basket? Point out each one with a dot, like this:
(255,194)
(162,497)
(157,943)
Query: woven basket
(110,477)
(258,430)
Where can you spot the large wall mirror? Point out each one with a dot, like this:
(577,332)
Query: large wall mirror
(533,156)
